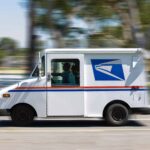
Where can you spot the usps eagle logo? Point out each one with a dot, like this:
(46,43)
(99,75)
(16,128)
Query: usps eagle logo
(107,69)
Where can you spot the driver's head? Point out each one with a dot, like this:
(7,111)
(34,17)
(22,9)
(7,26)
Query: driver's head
(66,67)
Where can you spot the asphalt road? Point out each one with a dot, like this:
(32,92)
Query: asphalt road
(76,135)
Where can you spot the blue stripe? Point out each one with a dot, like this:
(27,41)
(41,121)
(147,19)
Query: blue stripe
(78,90)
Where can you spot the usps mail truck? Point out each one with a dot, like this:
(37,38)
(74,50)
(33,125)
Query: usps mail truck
(87,83)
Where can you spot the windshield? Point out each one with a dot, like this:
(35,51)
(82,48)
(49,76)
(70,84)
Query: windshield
(36,70)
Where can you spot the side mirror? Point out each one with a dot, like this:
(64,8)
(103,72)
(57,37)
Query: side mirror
(39,70)
(48,76)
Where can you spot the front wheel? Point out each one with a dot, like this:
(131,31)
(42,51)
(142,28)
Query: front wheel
(22,115)
(117,114)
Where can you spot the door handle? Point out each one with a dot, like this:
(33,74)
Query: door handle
(48,77)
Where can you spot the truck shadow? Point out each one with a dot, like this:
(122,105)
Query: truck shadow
(74,123)
(70,123)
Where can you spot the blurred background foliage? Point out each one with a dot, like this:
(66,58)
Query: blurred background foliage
(81,24)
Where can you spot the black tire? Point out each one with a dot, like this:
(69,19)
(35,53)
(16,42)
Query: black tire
(22,115)
(117,115)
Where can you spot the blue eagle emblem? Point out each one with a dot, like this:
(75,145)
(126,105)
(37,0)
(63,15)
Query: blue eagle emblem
(107,69)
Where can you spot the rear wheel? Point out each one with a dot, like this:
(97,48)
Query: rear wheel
(117,114)
(22,115)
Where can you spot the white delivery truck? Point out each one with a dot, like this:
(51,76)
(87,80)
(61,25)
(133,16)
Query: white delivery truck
(96,83)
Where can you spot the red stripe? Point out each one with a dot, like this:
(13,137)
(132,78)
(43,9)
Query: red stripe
(78,87)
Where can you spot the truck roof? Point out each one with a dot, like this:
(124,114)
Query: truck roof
(92,50)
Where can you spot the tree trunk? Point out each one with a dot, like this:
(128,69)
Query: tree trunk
(125,19)
(57,37)
(31,36)
(138,35)
(127,32)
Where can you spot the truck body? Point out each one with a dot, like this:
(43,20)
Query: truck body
(99,83)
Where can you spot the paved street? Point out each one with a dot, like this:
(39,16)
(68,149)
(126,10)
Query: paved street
(76,135)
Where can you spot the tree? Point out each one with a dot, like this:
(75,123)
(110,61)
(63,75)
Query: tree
(39,17)
(9,45)
(144,7)
(54,15)
(136,25)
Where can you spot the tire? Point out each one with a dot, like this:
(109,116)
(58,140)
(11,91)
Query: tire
(22,115)
(117,115)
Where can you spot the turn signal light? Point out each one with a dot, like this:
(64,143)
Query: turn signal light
(6,95)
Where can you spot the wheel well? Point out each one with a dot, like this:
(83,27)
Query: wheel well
(24,104)
(115,102)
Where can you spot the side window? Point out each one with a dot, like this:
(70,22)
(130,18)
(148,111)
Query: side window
(65,72)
